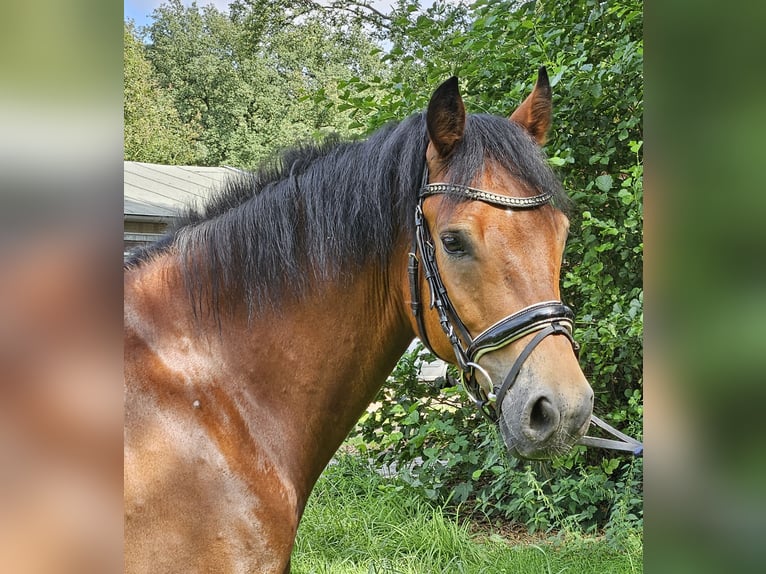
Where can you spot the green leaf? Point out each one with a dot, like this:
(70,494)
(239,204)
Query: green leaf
(604,182)
(556,78)
(557,161)
(625,196)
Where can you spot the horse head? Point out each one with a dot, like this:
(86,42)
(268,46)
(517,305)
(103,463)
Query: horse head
(491,239)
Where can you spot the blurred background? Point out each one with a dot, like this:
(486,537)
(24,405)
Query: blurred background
(60,295)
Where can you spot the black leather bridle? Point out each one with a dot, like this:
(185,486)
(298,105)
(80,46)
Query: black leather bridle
(545,319)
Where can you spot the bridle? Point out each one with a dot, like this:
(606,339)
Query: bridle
(548,318)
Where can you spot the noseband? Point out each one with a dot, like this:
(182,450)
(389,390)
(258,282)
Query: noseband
(545,319)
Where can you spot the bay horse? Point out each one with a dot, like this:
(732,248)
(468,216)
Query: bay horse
(258,331)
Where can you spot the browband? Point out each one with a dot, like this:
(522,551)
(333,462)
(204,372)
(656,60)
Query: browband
(486,196)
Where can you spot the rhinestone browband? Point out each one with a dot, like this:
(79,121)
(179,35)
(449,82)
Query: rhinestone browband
(486,196)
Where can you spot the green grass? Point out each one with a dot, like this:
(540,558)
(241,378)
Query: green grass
(358,522)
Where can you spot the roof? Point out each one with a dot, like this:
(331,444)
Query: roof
(153,190)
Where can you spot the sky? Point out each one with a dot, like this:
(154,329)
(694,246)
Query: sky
(140,11)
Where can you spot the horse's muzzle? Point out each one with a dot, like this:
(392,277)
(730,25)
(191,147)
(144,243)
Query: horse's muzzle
(545,422)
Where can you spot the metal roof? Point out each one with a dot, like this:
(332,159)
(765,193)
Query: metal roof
(162,191)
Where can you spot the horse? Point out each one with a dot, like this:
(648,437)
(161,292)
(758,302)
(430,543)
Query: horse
(259,330)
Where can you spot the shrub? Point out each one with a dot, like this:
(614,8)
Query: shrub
(594,54)
(439,444)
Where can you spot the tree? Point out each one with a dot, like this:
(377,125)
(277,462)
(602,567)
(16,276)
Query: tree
(249,78)
(153,129)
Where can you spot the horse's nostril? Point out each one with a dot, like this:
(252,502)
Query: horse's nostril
(542,415)
(543,419)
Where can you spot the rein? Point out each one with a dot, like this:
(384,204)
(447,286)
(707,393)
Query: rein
(545,319)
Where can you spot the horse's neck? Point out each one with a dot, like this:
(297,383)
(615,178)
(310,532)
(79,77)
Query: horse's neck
(338,352)
(299,377)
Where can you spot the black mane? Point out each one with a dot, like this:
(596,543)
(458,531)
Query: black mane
(320,213)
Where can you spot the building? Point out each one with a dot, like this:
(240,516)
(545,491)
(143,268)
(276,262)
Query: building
(155,194)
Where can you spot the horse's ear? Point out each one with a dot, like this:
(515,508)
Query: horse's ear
(535,112)
(445,118)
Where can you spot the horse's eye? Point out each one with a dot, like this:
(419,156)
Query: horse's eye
(452,243)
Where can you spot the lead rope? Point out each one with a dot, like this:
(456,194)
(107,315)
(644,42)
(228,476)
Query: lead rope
(626,443)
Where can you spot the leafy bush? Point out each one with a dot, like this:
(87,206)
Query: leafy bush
(438,443)
(594,54)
